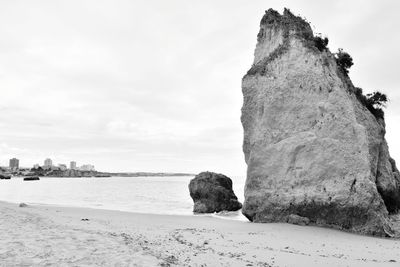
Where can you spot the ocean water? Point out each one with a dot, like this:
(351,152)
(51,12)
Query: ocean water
(155,195)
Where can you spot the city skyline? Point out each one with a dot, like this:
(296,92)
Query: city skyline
(14,163)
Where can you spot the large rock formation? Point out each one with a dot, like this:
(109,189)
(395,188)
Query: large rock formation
(212,192)
(312,148)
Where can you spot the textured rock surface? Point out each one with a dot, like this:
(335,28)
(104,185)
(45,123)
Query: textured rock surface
(312,149)
(296,219)
(212,192)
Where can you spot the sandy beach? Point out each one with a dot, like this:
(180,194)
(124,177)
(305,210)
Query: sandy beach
(62,236)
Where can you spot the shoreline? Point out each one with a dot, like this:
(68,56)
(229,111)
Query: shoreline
(98,174)
(230,216)
(40,235)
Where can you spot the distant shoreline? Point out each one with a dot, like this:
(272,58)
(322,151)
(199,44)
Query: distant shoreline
(96,174)
(158,174)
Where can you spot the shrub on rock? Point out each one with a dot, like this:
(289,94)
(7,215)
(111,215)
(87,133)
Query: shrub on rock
(344,60)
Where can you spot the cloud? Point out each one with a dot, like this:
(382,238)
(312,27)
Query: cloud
(155,85)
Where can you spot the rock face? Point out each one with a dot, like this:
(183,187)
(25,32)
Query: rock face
(312,148)
(212,192)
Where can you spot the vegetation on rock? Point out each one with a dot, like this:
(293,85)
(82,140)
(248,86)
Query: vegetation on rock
(344,60)
(289,22)
(296,26)
(374,102)
(292,26)
(377,99)
(321,43)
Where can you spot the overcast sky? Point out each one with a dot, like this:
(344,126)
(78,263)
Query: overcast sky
(156,85)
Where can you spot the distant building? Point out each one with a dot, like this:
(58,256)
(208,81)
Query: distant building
(14,163)
(87,167)
(72,165)
(62,167)
(36,166)
(48,163)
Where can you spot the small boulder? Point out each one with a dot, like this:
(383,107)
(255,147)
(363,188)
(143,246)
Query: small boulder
(23,205)
(212,192)
(4,176)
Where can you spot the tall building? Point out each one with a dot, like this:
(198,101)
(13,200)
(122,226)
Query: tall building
(14,163)
(72,165)
(48,163)
(87,167)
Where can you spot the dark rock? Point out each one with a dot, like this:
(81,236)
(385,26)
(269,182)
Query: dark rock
(23,205)
(212,192)
(5,176)
(32,178)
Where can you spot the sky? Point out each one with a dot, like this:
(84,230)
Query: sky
(150,85)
